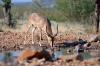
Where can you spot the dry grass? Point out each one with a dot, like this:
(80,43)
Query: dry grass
(19,27)
(75,28)
(64,27)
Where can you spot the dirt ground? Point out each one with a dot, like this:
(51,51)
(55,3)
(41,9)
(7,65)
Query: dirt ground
(10,41)
(16,40)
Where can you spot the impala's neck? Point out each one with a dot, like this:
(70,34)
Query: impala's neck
(49,29)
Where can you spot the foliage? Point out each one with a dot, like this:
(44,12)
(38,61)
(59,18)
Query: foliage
(7,12)
(6,3)
(64,10)
(76,9)
(67,9)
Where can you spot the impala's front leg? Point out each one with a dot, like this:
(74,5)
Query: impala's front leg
(33,30)
(40,37)
(49,39)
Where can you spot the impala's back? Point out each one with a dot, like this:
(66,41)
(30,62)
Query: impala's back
(39,21)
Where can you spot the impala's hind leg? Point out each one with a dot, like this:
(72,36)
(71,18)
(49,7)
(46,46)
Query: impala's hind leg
(26,31)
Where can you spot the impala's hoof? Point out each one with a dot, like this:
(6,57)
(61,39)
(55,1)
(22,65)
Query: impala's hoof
(33,42)
(40,44)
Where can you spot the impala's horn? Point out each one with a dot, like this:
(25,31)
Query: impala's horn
(56,32)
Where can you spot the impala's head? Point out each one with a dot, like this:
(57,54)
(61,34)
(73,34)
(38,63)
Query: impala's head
(51,36)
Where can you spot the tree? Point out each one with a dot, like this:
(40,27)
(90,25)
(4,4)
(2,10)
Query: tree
(6,4)
(38,6)
(97,9)
(75,9)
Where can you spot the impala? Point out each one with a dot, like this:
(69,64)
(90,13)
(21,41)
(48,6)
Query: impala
(41,23)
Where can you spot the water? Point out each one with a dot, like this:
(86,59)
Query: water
(16,53)
(1,57)
(56,55)
(66,52)
(63,52)
(9,55)
(87,55)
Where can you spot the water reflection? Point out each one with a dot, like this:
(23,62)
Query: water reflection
(70,51)
(1,57)
(16,53)
(11,56)
(56,55)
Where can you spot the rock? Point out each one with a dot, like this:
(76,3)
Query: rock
(29,54)
(94,38)
(69,58)
(91,62)
(79,57)
(36,62)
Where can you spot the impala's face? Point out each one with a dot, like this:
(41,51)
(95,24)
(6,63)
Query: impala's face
(50,40)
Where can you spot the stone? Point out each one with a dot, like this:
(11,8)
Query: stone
(27,53)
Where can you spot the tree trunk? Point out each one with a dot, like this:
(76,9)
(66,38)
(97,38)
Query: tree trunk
(97,18)
(97,22)
(7,15)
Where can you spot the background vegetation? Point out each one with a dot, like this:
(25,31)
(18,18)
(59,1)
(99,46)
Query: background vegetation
(72,11)
(61,11)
